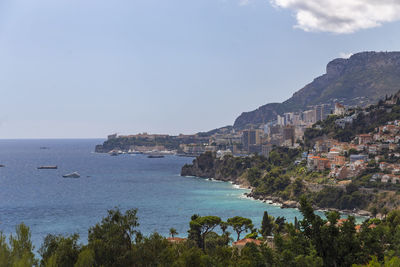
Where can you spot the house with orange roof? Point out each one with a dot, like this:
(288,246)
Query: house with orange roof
(176,240)
(318,163)
(243,242)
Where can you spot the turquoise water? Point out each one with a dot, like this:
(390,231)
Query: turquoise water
(48,203)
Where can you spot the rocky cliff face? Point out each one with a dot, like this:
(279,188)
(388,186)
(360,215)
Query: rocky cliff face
(208,166)
(362,79)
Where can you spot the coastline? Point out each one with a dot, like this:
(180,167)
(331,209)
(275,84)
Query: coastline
(287,204)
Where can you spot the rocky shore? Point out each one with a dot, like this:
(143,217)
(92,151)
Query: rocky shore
(208,167)
(291,204)
(283,204)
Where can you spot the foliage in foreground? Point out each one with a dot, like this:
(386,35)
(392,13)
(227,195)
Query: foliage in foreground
(313,241)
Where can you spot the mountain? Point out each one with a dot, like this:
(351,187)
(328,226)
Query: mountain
(362,79)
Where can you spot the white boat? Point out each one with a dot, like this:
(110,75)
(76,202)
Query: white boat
(72,175)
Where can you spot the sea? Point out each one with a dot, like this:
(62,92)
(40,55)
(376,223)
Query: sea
(51,204)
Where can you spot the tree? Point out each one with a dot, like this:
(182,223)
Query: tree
(240,224)
(200,227)
(267,225)
(21,247)
(5,253)
(374,211)
(111,240)
(154,250)
(280,224)
(224,226)
(85,258)
(385,211)
(60,250)
(172,232)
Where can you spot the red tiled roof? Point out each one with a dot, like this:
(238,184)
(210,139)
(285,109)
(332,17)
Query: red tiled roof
(364,135)
(176,239)
(247,240)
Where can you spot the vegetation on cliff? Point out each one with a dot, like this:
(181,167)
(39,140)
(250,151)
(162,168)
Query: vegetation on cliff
(282,177)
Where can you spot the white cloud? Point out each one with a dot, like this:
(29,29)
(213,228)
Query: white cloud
(341,16)
(345,55)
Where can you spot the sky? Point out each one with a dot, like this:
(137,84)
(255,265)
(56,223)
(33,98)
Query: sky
(86,69)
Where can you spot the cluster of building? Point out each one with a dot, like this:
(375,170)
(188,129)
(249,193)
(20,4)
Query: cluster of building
(305,118)
(287,130)
(332,155)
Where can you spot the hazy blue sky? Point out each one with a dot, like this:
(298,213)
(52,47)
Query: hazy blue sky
(87,68)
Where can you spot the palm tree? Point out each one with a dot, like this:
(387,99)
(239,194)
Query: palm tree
(172,232)
(385,211)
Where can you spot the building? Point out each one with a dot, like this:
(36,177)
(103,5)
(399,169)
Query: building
(340,110)
(364,139)
(112,136)
(339,160)
(354,158)
(274,129)
(289,135)
(252,137)
(309,116)
(316,163)
(281,120)
(322,112)
(266,149)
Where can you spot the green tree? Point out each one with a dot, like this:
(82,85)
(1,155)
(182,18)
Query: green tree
(374,211)
(240,224)
(154,250)
(172,232)
(280,224)
(203,226)
(385,211)
(111,240)
(86,258)
(62,251)
(21,247)
(5,253)
(267,225)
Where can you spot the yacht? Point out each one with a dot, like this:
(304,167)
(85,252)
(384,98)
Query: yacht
(72,175)
(47,167)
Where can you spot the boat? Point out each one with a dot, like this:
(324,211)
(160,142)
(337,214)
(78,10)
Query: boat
(47,167)
(2,166)
(72,175)
(113,153)
(155,156)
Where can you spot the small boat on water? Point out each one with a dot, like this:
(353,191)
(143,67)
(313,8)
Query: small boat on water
(2,166)
(47,167)
(72,175)
(155,156)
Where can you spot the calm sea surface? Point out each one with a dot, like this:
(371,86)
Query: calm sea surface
(48,203)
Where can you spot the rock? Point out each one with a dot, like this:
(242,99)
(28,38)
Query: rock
(364,213)
(289,204)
